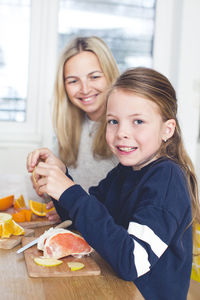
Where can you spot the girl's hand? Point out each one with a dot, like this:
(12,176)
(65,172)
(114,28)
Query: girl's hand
(52,215)
(52,180)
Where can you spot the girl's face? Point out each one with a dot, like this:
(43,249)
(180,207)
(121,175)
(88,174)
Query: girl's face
(135,129)
(85,83)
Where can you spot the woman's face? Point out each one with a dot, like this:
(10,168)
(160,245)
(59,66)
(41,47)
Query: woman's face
(85,83)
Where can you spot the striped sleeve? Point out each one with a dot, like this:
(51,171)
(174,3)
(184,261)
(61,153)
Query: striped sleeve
(141,256)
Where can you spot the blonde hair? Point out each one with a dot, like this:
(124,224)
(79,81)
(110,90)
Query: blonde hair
(156,87)
(67,118)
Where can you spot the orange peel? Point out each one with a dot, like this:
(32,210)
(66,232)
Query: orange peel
(19,202)
(39,208)
(6,202)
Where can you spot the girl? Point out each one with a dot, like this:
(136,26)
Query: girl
(139,217)
(86,69)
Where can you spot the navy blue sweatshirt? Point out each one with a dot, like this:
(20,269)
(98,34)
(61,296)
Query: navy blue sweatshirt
(138,222)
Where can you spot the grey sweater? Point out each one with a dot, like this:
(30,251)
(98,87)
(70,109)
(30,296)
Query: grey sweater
(90,170)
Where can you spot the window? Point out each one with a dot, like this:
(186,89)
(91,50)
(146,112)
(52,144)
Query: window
(126,26)
(14,58)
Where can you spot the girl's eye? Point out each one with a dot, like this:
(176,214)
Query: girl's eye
(138,122)
(113,122)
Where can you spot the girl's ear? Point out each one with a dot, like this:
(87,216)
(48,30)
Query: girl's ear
(169,128)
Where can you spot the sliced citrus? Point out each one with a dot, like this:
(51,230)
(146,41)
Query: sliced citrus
(75,265)
(6,202)
(8,227)
(34,177)
(39,208)
(47,262)
(5,217)
(22,215)
(28,214)
(19,202)
(17,229)
(19,216)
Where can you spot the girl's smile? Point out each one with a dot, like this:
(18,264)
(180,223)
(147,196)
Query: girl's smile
(135,129)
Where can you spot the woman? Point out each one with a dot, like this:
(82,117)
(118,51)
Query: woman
(86,69)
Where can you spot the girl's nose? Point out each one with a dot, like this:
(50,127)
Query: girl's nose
(122,132)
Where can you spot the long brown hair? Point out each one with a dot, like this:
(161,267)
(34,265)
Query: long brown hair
(67,118)
(156,87)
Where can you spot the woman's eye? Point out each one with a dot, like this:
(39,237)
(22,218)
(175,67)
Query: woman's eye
(113,122)
(95,77)
(70,81)
(138,122)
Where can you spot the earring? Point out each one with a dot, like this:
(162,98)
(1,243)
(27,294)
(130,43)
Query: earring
(165,140)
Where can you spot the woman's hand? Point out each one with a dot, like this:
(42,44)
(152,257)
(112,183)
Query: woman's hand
(45,155)
(52,180)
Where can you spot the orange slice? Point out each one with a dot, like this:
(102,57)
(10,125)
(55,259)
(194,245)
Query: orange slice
(34,178)
(22,215)
(19,216)
(19,202)
(39,208)
(6,202)
(8,226)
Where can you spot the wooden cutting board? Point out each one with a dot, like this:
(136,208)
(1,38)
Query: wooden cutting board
(11,242)
(34,270)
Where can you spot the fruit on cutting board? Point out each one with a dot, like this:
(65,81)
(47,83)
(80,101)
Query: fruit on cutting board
(47,262)
(19,202)
(59,242)
(39,208)
(8,226)
(75,265)
(6,202)
(22,215)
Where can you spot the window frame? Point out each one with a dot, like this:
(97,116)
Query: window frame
(42,50)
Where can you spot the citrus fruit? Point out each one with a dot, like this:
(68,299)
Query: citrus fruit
(22,215)
(8,226)
(75,265)
(6,202)
(47,262)
(28,214)
(19,202)
(39,208)
(19,216)
(34,177)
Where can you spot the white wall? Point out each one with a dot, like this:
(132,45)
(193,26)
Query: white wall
(177,55)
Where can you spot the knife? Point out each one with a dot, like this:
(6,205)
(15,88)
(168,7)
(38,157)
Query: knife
(64,224)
